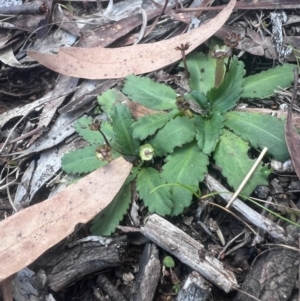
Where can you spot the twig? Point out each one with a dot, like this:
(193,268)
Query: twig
(250,214)
(12,130)
(9,197)
(29,134)
(251,171)
(17,169)
(158,18)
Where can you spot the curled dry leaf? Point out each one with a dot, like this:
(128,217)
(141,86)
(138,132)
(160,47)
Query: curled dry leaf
(29,233)
(104,63)
(291,136)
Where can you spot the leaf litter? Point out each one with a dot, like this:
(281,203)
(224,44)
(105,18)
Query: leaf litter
(101,63)
(45,226)
(75,109)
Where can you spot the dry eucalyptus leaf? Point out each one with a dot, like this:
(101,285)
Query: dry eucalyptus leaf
(29,233)
(293,140)
(104,63)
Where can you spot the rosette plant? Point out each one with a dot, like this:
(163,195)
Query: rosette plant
(171,148)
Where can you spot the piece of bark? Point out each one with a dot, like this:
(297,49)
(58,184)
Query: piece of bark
(27,287)
(195,288)
(105,285)
(106,35)
(64,85)
(273,276)
(149,272)
(90,89)
(35,7)
(186,249)
(251,215)
(72,264)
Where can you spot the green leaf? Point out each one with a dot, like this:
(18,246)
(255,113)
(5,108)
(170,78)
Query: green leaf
(82,127)
(152,95)
(82,160)
(261,131)
(159,201)
(231,155)
(176,132)
(108,219)
(168,262)
(108,98)
(133,174)
(202,71)
(149,124)
(122,121)
(109,133)
(226,96)
(187,166)
(200,98)
(264,83)
(208,131)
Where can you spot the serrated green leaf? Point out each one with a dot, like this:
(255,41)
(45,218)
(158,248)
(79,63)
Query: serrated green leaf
(106,222)
(152,95)
(159,201)
(187,166)
(176,132)
(200,98)
(264,83)
(202,71)
(82,160)
(133,174)
(261,131)
(149,124)
(226,96)
(82,127)
(231,155)
(208,131)
(108,131)
(108,98)
(122,121)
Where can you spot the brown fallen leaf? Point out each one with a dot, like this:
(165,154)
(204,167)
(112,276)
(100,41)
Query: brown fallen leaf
(137,110)
(104,63)
(29,233)
(291,136)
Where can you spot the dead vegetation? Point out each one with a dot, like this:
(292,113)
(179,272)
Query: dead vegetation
(56,58)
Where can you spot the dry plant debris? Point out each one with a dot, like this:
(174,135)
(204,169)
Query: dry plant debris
(46,226)
(39,114)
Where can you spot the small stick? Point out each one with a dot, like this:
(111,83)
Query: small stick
(29,134)
(251,171)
